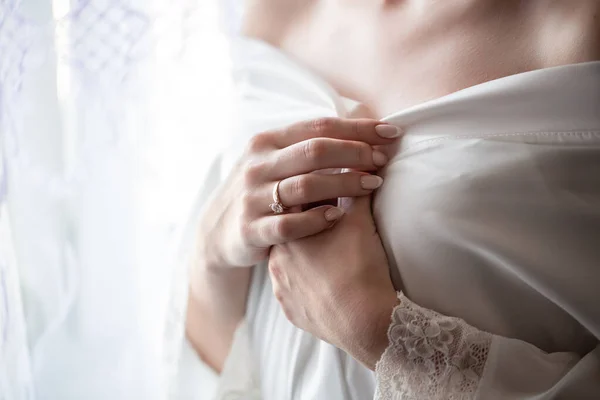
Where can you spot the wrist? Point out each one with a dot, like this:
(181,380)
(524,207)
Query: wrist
(372,340)
(206,267)
(207,255)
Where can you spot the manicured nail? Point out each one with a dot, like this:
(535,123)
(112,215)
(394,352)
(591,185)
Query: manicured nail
(379,158)
(333,214)
(370,182)
(388,131)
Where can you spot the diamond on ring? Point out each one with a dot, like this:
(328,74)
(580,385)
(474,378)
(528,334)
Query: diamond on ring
(277,208)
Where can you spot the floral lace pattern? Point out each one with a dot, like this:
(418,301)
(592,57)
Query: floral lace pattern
(430,356)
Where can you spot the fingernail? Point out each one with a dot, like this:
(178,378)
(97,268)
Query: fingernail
(333,214)
(370,182)
(388,131)
(379,158)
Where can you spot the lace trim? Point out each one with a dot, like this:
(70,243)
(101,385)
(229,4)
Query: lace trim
(430,356)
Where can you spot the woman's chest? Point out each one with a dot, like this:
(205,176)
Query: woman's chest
(467,225)
(413,51)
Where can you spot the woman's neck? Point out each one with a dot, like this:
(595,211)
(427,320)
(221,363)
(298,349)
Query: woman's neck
(392,54)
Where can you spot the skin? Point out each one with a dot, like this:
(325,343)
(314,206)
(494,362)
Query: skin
(237,229)
(385,47)
(341,292)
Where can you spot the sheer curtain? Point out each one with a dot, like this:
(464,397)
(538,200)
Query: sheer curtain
(111,112)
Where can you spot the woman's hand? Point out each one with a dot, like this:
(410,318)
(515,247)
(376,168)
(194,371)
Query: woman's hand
(238,227)
(336,284)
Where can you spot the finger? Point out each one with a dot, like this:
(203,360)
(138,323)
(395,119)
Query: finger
(278,229)
(363,130)
(311,188)
(322,153)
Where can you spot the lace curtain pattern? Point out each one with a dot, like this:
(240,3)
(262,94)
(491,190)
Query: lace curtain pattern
(110,112)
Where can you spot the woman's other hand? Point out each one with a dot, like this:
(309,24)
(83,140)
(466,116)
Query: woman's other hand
(238,227)
(336,284)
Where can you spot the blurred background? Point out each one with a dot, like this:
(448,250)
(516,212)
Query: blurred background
(111,114)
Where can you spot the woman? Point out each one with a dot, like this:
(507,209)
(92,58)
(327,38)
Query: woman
(482,244)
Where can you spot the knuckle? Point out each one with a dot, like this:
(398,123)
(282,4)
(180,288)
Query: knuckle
(363,153)
(258,142)
(283,228)
(253,172)
(323,126)
(288,314)
(278,295)
(246,200)
(356,128)
(302,187)
(314,149)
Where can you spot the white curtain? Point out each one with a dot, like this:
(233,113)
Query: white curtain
(111,112)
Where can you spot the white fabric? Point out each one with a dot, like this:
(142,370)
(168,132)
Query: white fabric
(110,113)
(503,221)
(195,380)
(430,356)
(489,214)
